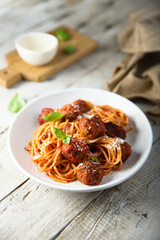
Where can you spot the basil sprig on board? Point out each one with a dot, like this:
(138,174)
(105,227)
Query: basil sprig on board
(70,49)
(94,159)
(62,35)
(53,116)
(16,103)
(60,134)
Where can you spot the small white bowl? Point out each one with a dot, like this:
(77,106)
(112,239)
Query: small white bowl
(37,48)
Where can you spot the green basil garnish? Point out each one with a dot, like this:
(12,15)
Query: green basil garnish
(16,103)
(62,35)
(53,116)
(70,49)
(94,159)
(60,134)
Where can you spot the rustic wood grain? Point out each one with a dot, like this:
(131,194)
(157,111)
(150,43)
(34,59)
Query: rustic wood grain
(32,211)
(39,211)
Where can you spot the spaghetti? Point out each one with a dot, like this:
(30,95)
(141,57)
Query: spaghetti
(61,161)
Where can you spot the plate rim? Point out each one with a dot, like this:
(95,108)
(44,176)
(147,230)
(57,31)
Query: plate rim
(90,188)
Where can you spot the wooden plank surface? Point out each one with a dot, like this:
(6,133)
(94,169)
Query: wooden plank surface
(32,211)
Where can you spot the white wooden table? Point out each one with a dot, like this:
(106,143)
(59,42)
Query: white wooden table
(29,210)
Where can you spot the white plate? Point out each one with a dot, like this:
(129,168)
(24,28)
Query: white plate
(25,122)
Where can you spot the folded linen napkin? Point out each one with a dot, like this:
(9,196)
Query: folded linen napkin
(138,76)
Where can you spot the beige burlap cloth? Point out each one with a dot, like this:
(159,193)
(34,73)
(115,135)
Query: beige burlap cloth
(138,75)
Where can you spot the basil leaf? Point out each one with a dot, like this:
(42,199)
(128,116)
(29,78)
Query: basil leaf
(62,35)
(53,116)
(60,134)
(94,159)
(66,140)
(16,103)
(70,49)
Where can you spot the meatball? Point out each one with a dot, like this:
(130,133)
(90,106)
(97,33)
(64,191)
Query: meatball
(76,151)
(45,111)
(126,151)
(91,127)
(82,105)
(89,172)
(113,130)
(73,110)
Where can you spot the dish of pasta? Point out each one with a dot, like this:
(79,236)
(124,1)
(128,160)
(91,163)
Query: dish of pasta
(80,139)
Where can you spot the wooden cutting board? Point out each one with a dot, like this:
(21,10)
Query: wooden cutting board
(17,69)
